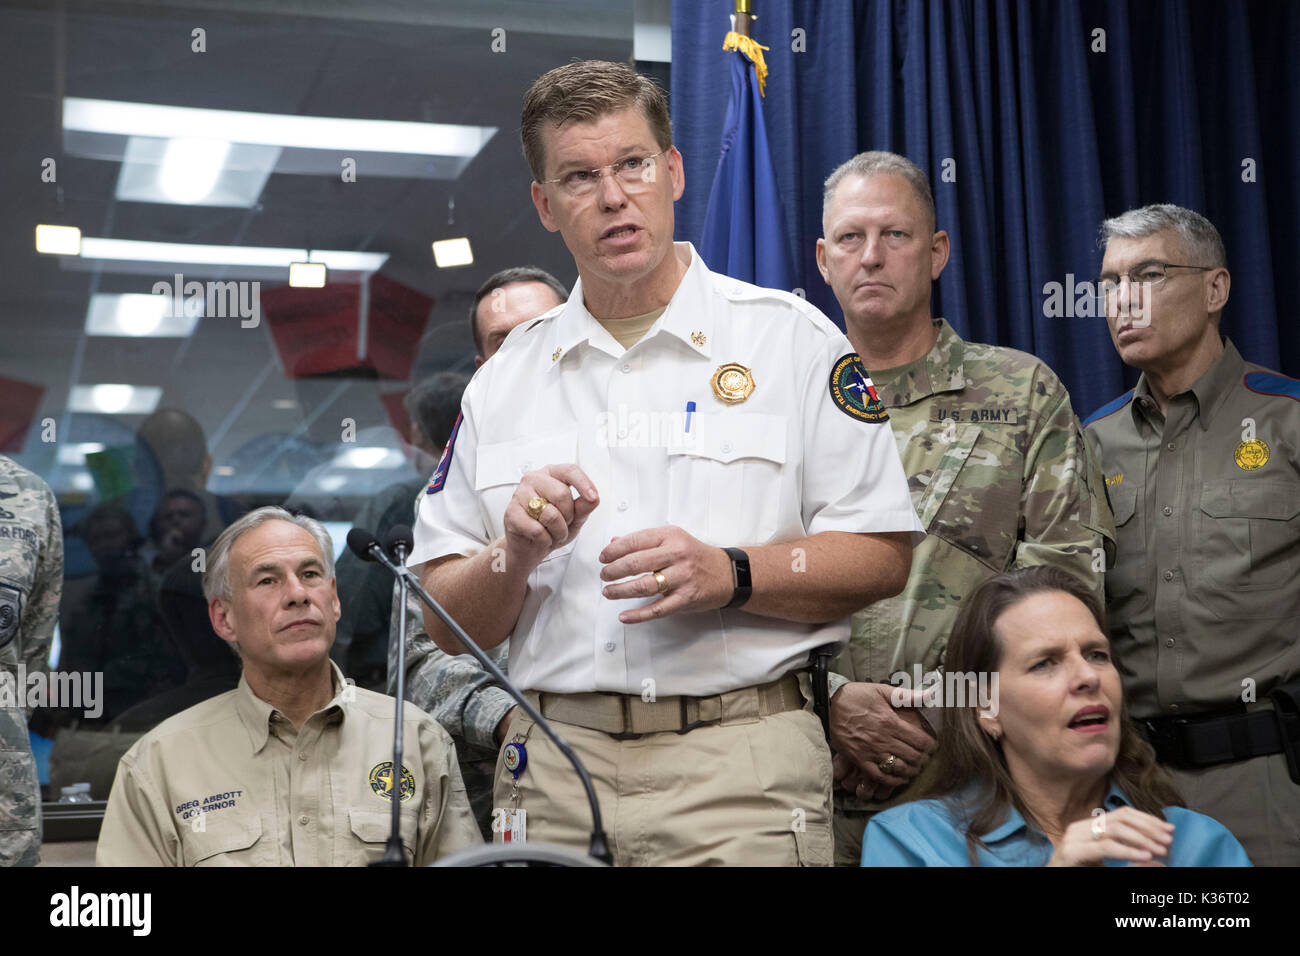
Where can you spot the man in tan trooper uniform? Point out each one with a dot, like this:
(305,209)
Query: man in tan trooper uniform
(294,767)
(1202,463)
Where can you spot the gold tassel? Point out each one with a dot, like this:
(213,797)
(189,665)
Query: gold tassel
(753,50)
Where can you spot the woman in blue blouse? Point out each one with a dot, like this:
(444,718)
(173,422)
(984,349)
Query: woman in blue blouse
(1052,772)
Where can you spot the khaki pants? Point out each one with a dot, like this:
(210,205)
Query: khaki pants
(751,791)
(1256,799)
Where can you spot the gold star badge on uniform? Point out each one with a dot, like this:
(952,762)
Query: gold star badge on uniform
(699,338)
(555,356)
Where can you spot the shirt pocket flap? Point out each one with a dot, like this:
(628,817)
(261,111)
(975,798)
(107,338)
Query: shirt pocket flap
(727,437)
(944,476)
(374,826)
(229,836)
(1249,499)
(1123,502)
(504,463)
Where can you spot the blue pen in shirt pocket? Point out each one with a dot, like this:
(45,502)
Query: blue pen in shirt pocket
(690,407)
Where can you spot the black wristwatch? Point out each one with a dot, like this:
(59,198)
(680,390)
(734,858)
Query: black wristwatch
(740,568)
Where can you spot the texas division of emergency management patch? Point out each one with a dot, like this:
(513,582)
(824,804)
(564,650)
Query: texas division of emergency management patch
(381,781)
(853,393)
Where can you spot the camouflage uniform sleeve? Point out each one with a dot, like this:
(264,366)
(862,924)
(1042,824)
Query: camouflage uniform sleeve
(1066,521)
(446,820)
(458,693)
(137,828)
(47,586)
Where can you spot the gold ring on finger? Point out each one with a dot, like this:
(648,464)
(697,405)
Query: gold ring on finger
(887,765)
(661,582)
(536,505)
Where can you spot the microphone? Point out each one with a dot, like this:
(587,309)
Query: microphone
(366,546)
(398,543)
(361,542)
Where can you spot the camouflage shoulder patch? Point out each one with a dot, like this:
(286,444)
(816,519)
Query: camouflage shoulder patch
(852,392)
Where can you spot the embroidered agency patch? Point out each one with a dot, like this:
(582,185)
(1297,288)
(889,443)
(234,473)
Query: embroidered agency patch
(853,393)
(444,463)
(381,781)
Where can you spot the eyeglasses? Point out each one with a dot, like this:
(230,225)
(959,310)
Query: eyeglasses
(1143,277)
(635,174)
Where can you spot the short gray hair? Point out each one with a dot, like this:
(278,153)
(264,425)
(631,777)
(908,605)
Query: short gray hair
(878,162)
(1199,237)
(216,579)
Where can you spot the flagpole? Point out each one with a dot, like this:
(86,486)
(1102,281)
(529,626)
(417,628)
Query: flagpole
(741,19)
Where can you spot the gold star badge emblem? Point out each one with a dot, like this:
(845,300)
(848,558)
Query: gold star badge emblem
(699,338)
(555,356)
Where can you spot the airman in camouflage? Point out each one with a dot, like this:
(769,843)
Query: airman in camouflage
(998,468)
(464,698)
(31,579)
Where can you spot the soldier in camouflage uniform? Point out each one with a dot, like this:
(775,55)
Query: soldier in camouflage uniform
(31,579)
(999,473)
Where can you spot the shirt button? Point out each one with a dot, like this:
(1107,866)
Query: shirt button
(1169,575)
(609,646)
(627,367)
(525,467)
(1172,446)
(622,506)
(1174,708)
(1168,511)
(622,433)
(302,755)
(726,448)
(1169,642)
(303,819)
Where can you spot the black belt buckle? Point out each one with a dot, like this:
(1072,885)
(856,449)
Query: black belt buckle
(1165,735)
(627,721)
(687,726)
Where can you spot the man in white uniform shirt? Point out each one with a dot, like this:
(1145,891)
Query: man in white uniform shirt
(688,413)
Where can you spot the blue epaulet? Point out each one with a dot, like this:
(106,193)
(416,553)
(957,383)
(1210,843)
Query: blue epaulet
(1109,408)
(1270,383)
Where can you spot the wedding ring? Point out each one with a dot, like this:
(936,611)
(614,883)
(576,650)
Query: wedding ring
(662,582)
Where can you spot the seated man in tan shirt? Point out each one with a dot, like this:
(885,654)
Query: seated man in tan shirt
(294,767)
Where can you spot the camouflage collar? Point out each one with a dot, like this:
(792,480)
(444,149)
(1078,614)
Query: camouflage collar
(939,370)
(1210,390)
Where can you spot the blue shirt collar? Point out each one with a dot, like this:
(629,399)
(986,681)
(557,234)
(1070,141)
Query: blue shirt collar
(1014,822)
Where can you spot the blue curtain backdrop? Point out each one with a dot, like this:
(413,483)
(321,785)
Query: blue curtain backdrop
(1041,137)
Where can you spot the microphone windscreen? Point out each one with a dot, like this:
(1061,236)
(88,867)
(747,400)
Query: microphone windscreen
(398,534)
(359,542)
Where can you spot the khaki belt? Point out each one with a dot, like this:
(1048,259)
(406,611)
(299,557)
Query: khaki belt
(626,716)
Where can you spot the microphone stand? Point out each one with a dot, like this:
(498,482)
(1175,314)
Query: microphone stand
(393,855)
(599,846)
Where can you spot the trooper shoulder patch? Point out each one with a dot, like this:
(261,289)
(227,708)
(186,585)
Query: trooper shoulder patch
(852,391)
